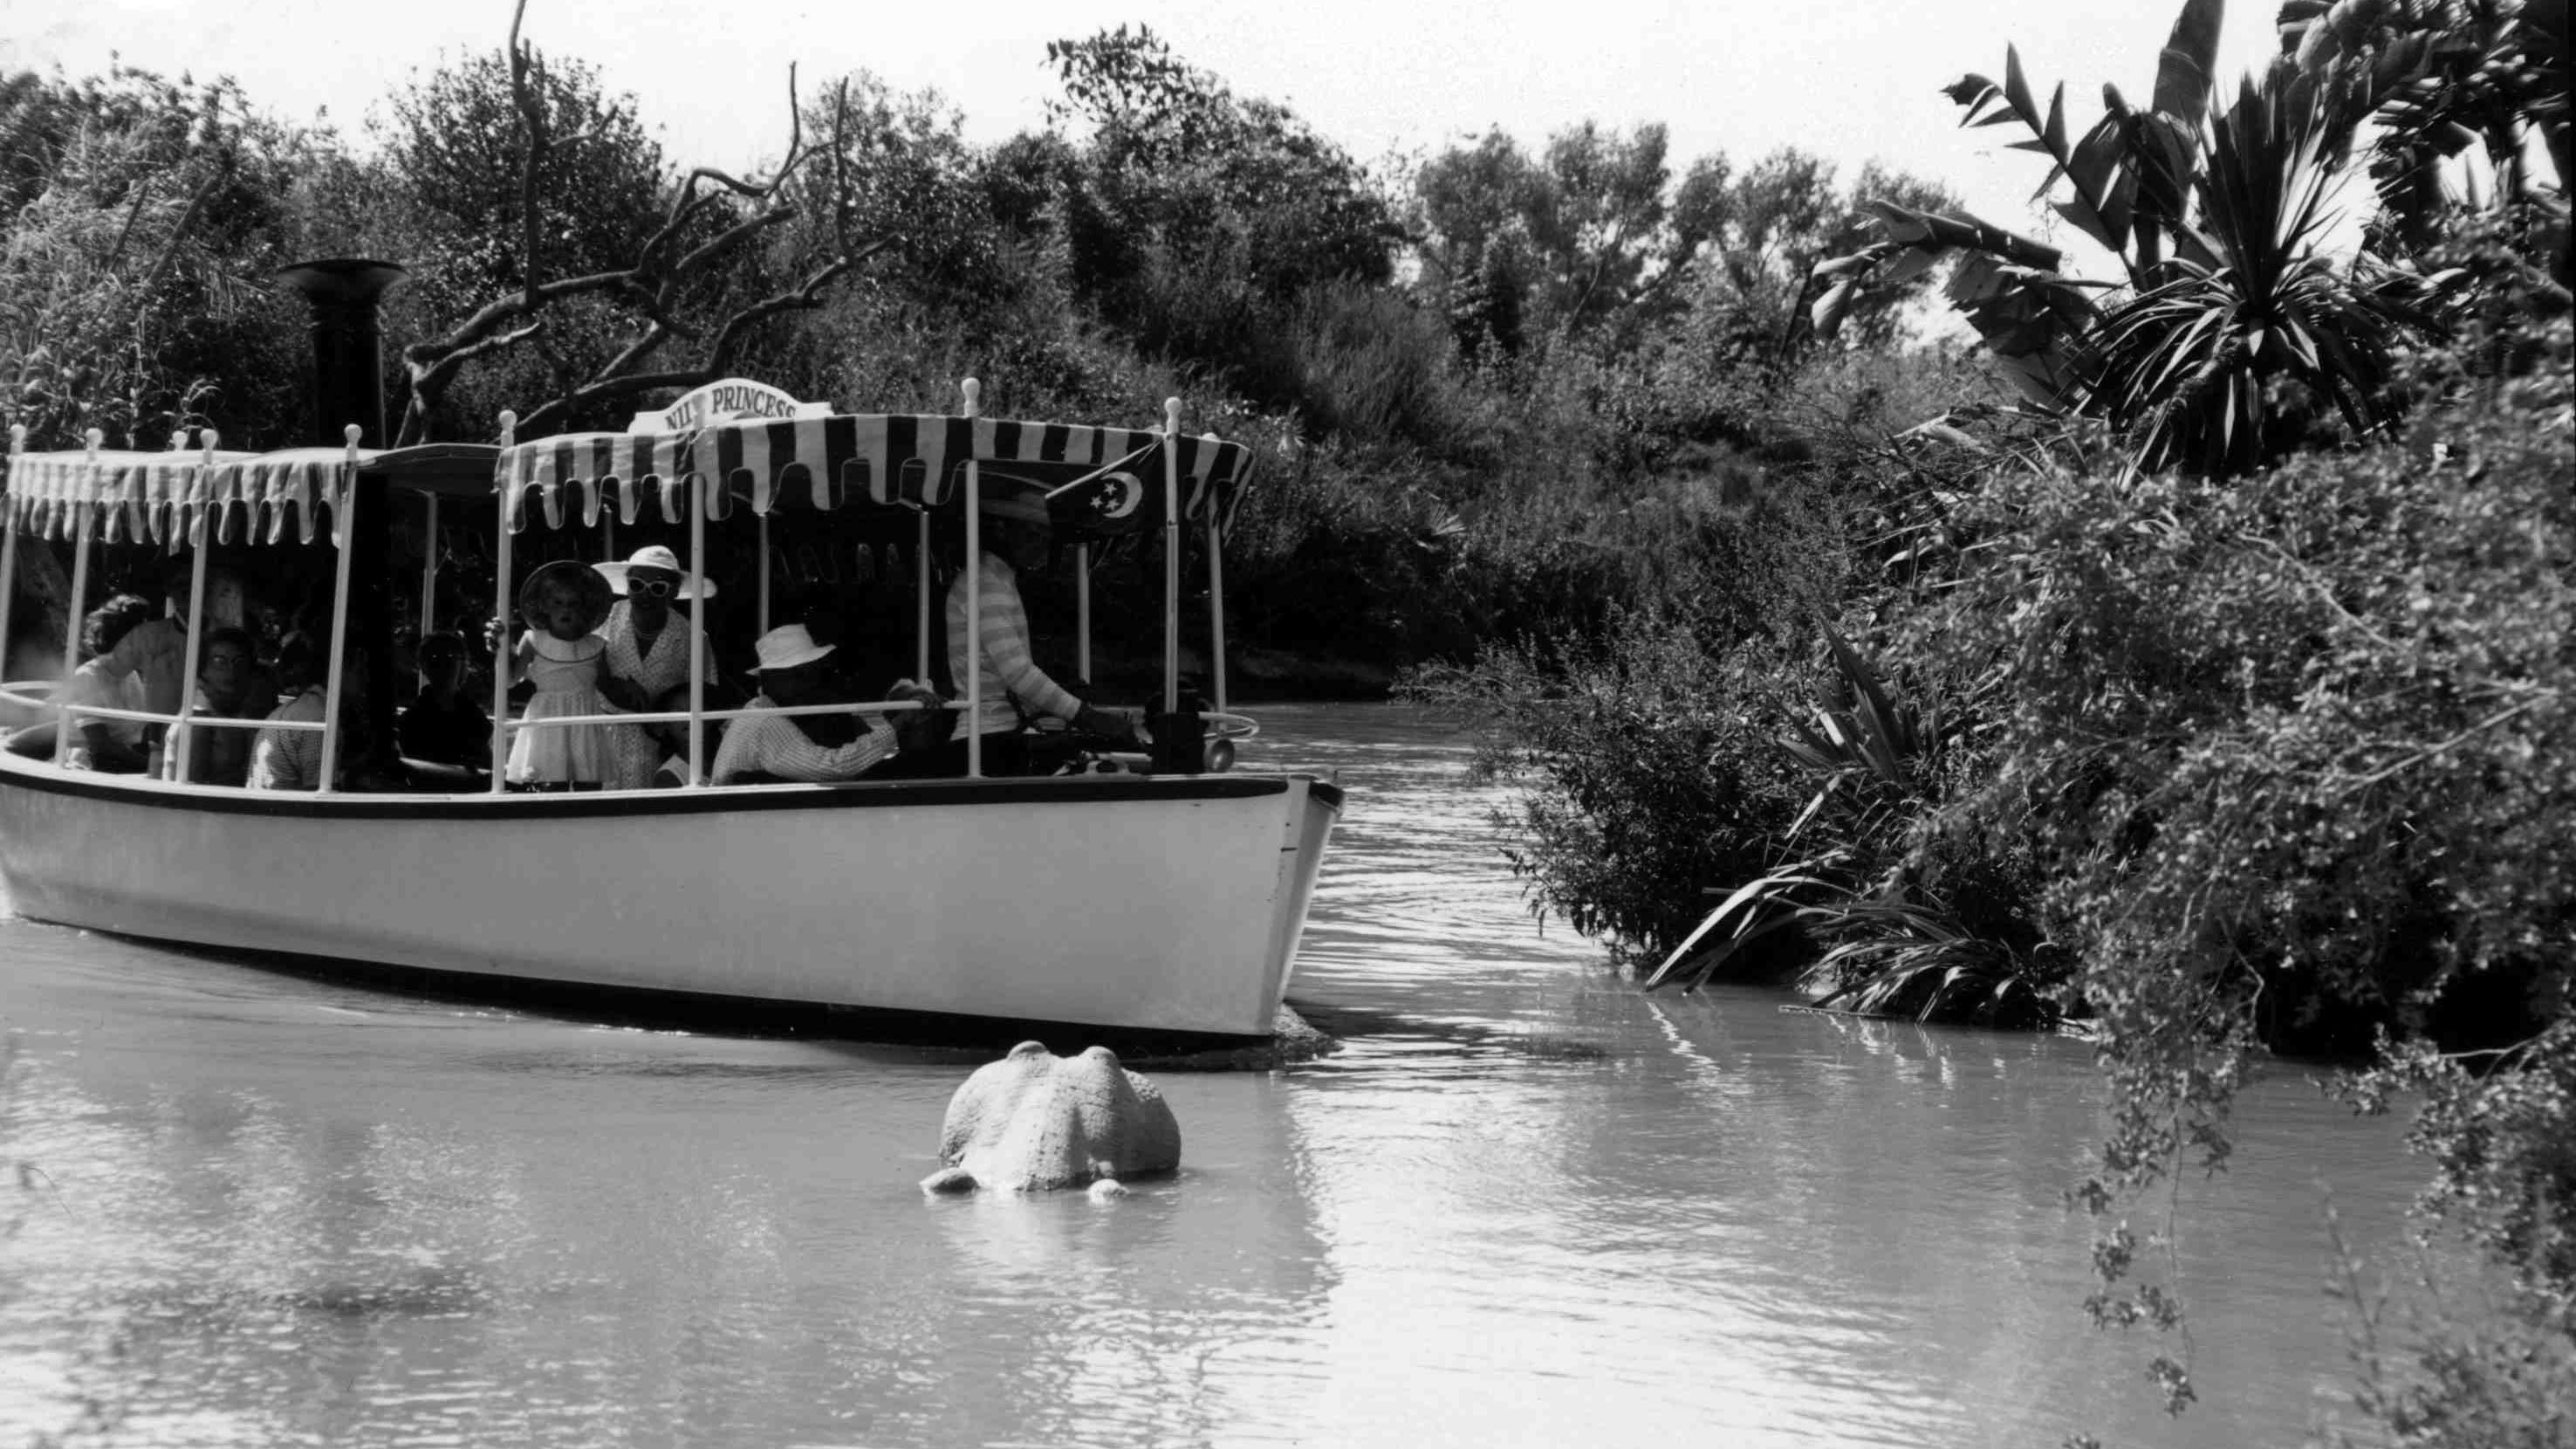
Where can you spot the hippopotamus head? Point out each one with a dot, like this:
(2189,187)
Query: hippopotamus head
(1035,1122)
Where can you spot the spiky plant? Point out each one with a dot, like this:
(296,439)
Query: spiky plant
(2220,223)
(2188,366)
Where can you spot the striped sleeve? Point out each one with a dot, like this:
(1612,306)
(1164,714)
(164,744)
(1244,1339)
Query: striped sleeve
(1004,635)
(771,744)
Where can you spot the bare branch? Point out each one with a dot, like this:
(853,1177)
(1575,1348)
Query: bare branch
(841,164)
(179,232)
(651,283)
(447,366)
(501,310)
(636,351)
(732,237)
(795,129)
(532,116)
(611,383)
(688,202)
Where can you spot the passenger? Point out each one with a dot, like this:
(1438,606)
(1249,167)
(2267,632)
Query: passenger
(111,746)
(1015,538)
(648,660)
(444,725)
(156,652)
(563,655)
(795,671)
(292,759)
(230,685)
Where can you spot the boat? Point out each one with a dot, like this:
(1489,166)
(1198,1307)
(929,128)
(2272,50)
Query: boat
(1126,900)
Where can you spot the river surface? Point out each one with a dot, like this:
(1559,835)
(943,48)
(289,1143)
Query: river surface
(1524,1205)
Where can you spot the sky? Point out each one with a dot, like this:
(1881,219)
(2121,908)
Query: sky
(1852,80)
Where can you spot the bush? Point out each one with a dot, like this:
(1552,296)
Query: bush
(1655,768)
(2299,742)
(2292,756)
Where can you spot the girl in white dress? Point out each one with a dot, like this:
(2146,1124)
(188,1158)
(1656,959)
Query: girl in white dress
(563,655)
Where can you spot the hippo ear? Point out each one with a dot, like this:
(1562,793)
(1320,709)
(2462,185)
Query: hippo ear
(992,1095)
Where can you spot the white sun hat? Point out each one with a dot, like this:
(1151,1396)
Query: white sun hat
(787,646)
(657,557)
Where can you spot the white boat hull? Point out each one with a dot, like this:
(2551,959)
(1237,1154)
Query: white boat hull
(1147,905)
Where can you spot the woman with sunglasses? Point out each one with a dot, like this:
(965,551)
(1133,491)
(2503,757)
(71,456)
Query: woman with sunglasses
(648,659)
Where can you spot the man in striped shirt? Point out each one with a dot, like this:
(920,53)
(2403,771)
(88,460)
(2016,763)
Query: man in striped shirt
(765,747)
(1016,538)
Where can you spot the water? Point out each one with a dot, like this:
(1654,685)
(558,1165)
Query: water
(1525,1205)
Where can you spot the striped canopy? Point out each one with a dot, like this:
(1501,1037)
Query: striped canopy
(169,497)
(907,461)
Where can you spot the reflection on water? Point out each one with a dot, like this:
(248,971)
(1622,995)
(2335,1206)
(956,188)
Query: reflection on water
(1524,1205)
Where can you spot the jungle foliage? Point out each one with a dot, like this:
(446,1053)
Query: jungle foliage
(1424,485)
(2191,664)
(2214,696)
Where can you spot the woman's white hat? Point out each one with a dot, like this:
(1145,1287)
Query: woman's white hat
(787,646)
(657,557)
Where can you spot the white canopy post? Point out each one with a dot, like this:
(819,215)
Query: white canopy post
(84,522)
(343,534)
(196,650)
(9,545)
(501,612)
(1216,605)
(974,600)
(1082,612)
(1171,554)
(697,653)
(429,566)
(921,586)
(764,573)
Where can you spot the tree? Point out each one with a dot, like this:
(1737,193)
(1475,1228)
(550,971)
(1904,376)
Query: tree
(136,208)
(460,142)
(1755,240)
(1184,191)
(1596,239)
(897,165)
(675,278)
(2217,220)
(1583,229)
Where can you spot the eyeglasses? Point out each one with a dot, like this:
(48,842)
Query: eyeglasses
(649,588)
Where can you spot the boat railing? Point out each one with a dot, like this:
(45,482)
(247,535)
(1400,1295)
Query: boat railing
(561,721)
(39,694)
(1228,725)
(36,694)
(73,712)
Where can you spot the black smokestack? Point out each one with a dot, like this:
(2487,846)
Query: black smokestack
(349,387)
(348,361)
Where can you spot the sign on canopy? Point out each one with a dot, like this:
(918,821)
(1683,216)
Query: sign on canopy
(727,401)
